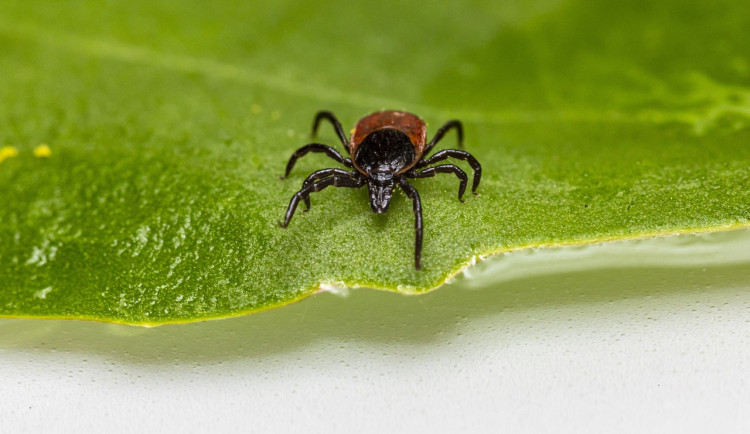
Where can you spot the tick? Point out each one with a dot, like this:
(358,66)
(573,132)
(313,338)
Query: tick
(385,148)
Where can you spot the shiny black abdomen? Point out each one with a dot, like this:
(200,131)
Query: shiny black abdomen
(385,152)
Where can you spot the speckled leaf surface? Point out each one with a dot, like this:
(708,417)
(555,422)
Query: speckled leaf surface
(167,126)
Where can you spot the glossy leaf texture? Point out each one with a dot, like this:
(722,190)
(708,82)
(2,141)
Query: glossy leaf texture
(142,142)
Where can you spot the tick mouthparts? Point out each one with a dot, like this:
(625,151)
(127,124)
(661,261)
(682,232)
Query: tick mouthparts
(380,197)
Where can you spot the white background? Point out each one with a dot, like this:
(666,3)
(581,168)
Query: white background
(645,336)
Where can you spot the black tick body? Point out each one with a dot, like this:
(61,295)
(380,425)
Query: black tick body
(385,149)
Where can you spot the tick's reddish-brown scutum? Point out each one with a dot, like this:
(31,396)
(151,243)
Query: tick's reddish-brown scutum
(409,124)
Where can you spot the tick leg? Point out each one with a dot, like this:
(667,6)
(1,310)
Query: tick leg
(461,155)
(445,168)
(320,174)
(336,181)
(336,125)
(442,131)
(316,147)
(414,196)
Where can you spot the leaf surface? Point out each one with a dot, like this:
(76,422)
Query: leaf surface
(165,129)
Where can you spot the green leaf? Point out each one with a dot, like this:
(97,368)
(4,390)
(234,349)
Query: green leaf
(167,129)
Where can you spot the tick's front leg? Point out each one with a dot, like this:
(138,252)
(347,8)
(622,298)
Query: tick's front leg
(336,181)
(411,192)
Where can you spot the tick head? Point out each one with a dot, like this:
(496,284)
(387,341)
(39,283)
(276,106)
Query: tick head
(380,194)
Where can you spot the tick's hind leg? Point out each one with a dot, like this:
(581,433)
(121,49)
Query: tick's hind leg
(336,125)
(316,147)
(336,181)
(445,168)
(320,174)
(414,196)
(461,155)
(442,131)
